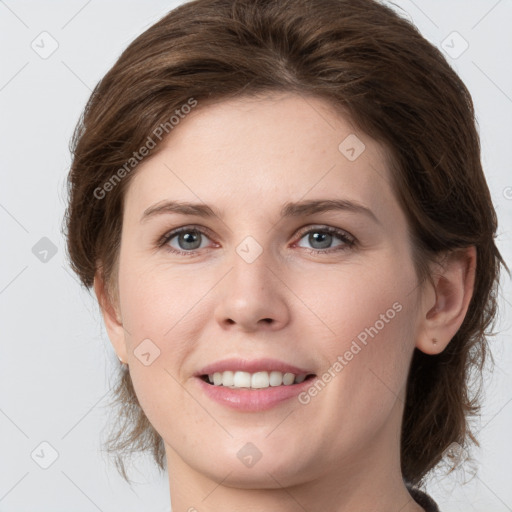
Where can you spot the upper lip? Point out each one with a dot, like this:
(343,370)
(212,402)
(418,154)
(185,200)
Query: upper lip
(251,366)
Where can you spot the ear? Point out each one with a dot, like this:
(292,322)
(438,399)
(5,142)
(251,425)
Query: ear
(443,313)
(111,317)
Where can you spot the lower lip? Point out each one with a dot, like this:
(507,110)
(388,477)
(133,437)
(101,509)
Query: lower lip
(245,399)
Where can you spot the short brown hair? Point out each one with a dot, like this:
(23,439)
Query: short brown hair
(366,61)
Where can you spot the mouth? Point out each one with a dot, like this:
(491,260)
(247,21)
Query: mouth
(253,385)
(258,380)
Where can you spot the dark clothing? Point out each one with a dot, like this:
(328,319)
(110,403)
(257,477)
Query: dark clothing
(423,499)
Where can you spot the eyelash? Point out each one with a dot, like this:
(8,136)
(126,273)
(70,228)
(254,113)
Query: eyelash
(348,240)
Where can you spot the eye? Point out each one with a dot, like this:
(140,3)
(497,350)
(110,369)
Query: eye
(186,240)
(321,238)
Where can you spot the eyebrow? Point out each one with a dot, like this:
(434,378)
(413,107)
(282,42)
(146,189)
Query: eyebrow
(290,209)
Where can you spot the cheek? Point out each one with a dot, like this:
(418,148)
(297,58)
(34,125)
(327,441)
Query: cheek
(158,303)
(367,328)
(366,351)
(358,300)
(162,315)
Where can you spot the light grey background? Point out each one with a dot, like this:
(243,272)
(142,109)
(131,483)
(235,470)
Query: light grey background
(56,363)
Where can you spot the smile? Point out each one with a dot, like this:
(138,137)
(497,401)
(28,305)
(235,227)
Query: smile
(257,380)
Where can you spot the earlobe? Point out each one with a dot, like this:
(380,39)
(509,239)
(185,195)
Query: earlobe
(453,286)
(112,318)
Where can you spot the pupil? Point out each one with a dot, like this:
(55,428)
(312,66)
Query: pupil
(325,239)
(189,238)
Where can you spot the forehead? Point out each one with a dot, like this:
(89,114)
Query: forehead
(257,153)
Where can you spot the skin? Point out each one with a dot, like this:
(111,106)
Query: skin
(246,158)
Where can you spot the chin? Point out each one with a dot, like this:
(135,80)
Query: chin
(251,468)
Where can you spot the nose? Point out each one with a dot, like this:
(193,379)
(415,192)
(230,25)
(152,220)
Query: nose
(253,296)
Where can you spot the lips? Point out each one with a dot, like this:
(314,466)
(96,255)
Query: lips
(230,383)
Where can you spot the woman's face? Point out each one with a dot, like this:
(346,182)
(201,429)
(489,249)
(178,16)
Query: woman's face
(262,288)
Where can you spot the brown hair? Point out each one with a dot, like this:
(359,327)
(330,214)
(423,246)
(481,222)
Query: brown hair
(369,63)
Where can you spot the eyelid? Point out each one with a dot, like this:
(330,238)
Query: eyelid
(187,227)
(326,228)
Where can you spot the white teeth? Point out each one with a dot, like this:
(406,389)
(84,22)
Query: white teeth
(288,379)
(241,380)
(258,380)
(276,378)
(228,378)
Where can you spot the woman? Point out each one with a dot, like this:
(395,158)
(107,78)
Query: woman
(281,208)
